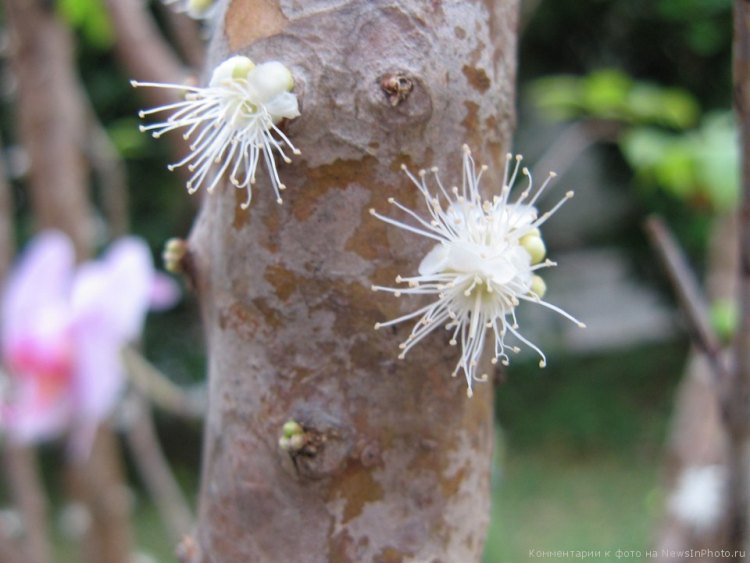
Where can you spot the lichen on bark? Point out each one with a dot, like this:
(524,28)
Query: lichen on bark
(400,471)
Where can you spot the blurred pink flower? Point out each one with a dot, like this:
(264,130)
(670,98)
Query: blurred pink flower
(62,330)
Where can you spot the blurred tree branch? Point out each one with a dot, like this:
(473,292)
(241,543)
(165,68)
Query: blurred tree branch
(690,296)
(575,139)
(52,120)
(109,170)
(160,391)
(146,56)
(154,468)
(187,36)
(143,51)
(20,463)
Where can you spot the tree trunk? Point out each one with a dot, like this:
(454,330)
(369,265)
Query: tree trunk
(398,459)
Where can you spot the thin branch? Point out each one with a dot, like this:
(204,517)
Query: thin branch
(187,36)
(7,239)
(160,390)
(689,295)
(110,172)
(25,484)
(573,141)
(143,51)
(147,57)
(528,10)
(98,483)
(154,468)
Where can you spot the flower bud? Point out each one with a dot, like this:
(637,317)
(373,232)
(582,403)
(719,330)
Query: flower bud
(270,79)
(538,287)
(174,251)
(291,428)
(233,68)
(198,8)
(534,245)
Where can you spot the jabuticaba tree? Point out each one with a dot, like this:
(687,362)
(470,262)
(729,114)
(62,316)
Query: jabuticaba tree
(393,463)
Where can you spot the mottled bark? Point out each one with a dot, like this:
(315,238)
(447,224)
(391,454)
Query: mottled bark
(399,459)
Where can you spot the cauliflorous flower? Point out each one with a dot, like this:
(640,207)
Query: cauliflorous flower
(62,330)
(231,122)
(196,9)
(484,263)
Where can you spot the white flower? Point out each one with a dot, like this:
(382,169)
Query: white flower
(484,263)
(698,499)
(196,9)
(231,122)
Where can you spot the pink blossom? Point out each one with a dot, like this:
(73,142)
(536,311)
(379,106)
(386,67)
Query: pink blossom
(62,331)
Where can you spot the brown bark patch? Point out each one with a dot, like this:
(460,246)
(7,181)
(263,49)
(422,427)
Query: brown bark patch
(477,77)
(283,281)
(248,21)
(357,487)
(451,485)
(471,123)
(389,555)
(238,319)
(318,181)
(269,237)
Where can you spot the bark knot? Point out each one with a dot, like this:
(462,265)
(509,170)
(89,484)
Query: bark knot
(397,86)
(318,450)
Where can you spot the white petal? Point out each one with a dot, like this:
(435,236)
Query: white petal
(283,106)
(435,261)
(463,257)
(268,80)
(520,215)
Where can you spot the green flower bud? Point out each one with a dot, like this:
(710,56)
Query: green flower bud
(297,442)
(725,318)
(534,245)
(199,8)
(538,286)
(292,428)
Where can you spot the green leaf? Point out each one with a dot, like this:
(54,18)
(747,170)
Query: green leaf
(718,161)
(611,94)
(605,93)
(128,139)
(90,18)
(700,166)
